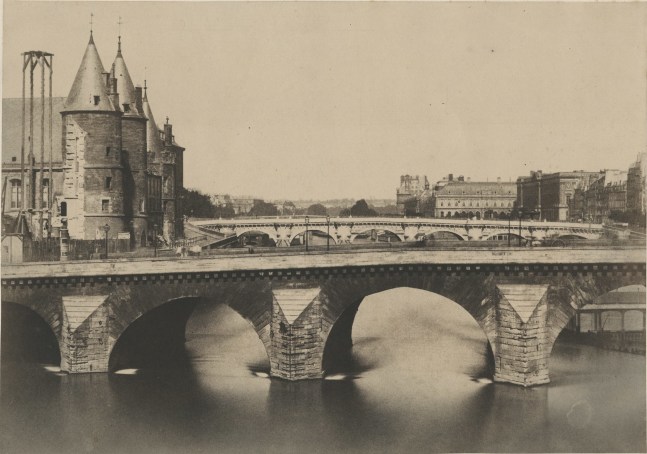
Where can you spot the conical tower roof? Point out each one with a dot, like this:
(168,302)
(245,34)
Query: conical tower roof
(125,86)
(153,139)
(89,91)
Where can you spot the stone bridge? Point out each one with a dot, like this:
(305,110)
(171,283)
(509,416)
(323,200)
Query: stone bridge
(302,306)
(345,230)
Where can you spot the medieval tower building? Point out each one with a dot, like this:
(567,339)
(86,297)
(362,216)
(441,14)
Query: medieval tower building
(117,171)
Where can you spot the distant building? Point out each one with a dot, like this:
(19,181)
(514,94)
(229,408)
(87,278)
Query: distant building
(636,183)
(550,195)
(462,198)
(606,195)
(409,193)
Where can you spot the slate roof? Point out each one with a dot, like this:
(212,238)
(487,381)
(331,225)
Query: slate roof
(89,90)
(12,129)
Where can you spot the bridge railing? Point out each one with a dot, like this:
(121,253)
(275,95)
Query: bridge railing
(87,250)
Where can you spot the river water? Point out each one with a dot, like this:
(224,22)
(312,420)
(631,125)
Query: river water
(418,382)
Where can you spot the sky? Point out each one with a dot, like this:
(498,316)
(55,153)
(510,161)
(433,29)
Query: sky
(289,100)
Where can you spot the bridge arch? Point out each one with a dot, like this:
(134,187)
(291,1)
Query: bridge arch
(271,238)
(322,233)
(392,233)
(469,293)
(27,336)
(340,338)
(443,235)
(257,230)
(503,235)
(151,329)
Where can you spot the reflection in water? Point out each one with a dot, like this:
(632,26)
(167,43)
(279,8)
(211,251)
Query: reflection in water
(417,381)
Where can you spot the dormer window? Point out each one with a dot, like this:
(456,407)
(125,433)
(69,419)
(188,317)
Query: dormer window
(97,99)
(126,107)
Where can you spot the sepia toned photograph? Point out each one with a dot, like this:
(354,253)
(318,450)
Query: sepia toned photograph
(323,227)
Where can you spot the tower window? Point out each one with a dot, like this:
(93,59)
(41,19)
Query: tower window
(108,182)
(105,205)
(16,193)
(45,190)
(97,99)
(107,151)
(126,107)
(13,159)
(63,209)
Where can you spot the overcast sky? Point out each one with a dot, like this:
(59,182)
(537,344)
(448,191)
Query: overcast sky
(325,100)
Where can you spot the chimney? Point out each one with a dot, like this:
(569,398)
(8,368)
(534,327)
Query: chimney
(168,133)
(469,179)
(114,96)
(138,100)
(498,180)
(461,178)
(450,177)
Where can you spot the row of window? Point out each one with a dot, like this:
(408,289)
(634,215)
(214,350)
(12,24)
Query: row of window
(485,204)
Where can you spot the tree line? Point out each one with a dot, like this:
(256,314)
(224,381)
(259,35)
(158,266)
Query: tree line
(198,205)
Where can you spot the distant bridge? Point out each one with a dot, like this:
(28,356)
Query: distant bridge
(284,231)
(302,306)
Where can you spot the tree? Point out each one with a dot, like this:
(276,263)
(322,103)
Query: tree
(317,210)
(263,209)
(224,211)
(195,204)
(361,208)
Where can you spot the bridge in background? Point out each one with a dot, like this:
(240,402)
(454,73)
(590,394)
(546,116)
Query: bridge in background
(302,306)
(284,231)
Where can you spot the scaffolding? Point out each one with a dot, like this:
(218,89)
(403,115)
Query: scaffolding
(33,206)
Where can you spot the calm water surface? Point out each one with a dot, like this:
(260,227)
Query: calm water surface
(418,382)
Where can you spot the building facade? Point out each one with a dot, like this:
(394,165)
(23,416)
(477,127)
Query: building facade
(466,199)
(112,168)
(636,182)
(550,195)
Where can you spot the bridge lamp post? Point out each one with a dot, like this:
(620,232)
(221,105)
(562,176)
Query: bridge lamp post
(328,233)
(106,228)
(306,234)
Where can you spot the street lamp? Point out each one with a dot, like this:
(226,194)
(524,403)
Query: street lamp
(306,235)
(155,239)
(328,233)
(509,226)
(106,228)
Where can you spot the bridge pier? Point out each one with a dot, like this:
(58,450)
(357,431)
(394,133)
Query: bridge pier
(522,342)
(296,345)
(85,339)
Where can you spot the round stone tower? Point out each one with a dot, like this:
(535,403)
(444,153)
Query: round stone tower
(93,190)
(133,143)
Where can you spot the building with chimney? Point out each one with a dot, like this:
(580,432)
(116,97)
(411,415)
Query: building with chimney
(466,199)
(112,168)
